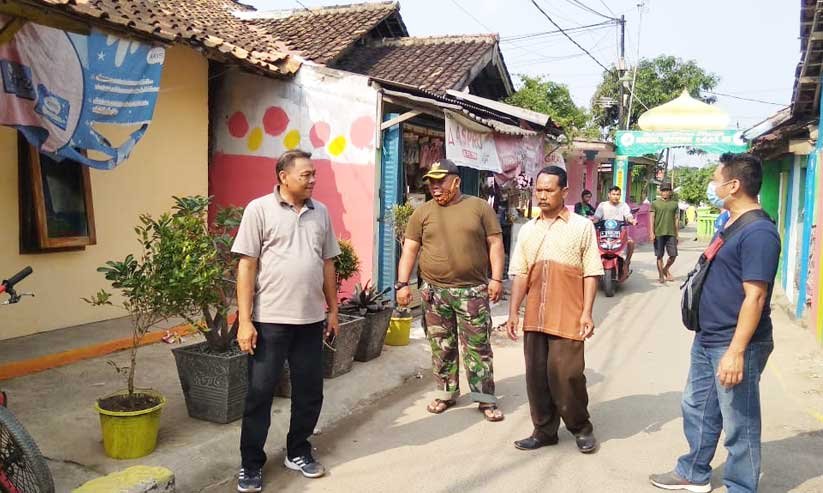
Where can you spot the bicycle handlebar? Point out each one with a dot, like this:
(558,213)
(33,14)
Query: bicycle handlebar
(9,283)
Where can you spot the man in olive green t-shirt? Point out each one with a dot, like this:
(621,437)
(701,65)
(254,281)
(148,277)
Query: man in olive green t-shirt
(457,237)
(665,220)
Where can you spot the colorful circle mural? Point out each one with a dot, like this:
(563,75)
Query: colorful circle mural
(275,121)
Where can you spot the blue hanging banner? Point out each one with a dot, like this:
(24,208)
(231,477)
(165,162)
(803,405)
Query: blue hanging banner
(57,86)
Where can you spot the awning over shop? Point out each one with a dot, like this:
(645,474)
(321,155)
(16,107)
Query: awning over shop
(437,108)
(540,119)
(481,134)
(769,124)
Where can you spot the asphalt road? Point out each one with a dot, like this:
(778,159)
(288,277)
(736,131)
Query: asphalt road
(636,368)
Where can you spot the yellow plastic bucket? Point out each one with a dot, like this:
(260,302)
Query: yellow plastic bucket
(399,330)
(130,434)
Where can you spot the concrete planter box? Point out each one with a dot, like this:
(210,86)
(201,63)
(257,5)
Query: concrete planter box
(341,360)
(373,336)
(214,384)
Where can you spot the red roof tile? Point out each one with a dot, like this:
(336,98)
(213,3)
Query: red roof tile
(211,24)
(431,63)
(323,34)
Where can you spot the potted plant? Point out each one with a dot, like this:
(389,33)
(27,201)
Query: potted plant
(130,418)
(193,277)
(400,214)
(401,318)
(399,219)
(347,264)
(338,354)
(199,284)
(372,304)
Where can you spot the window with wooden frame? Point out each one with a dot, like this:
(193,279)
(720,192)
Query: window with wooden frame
(56,209)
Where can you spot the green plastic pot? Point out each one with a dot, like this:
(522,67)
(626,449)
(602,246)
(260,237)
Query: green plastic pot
(130,434)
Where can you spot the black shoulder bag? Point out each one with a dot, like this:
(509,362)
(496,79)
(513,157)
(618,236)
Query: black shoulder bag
(692,287)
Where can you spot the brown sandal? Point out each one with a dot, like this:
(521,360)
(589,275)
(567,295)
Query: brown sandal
(491,413)
(438,406)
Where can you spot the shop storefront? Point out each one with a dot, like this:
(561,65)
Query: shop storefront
(495,149)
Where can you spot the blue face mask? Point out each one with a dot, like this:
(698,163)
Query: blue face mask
(711,194)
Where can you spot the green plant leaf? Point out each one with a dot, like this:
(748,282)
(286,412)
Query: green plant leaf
(347,263)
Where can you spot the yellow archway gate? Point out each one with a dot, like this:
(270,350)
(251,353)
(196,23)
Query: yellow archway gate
(682,122)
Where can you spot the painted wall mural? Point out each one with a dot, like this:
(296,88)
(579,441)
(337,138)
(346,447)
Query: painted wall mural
(326,112)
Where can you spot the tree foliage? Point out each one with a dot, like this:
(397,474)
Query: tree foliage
(400,215)
(347,264)
(659,80)
(692,183)
(542,95)
(186,269)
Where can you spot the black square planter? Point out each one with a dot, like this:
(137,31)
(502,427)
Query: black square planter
(341,360)
(373,336)
(214,384)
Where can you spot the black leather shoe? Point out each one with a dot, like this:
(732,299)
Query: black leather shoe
(586,443)
(533,443)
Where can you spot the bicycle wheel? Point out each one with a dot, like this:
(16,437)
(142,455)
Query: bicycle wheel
(22,467)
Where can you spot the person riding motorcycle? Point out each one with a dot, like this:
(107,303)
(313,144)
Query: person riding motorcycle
(617,210)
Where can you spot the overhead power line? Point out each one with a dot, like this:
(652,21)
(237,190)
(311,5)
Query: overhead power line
(752,100)
(542,44)
(465,11)
(544,58)
(570,38)
(590,27)
(581,5)
(608,8)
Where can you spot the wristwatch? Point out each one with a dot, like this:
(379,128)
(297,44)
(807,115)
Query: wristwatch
(401,285)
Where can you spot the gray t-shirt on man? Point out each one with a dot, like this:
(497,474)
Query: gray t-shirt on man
(291,247)
(607,210)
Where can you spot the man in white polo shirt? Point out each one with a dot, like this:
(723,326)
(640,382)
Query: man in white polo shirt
(617,210)
(285,282)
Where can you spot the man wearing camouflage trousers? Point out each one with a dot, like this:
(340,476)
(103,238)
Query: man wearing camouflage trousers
(457,237)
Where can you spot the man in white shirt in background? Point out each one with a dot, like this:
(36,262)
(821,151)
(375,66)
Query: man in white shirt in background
(617,210)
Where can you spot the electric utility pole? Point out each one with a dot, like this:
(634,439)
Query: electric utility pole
(621,72)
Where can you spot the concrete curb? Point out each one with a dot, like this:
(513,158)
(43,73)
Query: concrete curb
(136,479)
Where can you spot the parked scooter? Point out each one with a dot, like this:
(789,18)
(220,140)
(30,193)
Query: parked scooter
(612,240)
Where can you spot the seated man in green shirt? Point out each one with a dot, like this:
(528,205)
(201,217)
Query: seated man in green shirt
(665,220)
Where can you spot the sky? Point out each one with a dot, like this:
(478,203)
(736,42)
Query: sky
(752,45)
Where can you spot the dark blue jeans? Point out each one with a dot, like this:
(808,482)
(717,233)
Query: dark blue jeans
(302,346)
(709,408)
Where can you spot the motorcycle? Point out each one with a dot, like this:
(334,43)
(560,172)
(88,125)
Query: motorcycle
(612,241)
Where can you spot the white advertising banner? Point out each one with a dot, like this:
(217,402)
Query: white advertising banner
(554,158)
(471,144)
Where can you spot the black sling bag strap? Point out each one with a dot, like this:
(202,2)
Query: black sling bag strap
(692,287)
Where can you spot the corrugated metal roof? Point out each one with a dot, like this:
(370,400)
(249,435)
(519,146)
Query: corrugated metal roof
(497,126)
(480,107)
